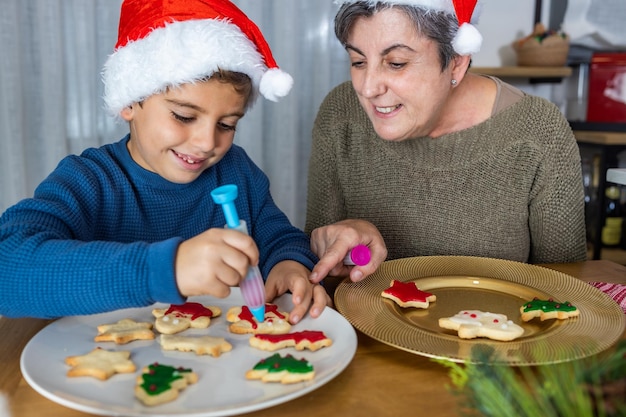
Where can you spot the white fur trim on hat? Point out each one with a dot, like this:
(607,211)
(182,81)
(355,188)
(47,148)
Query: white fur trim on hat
(179,53)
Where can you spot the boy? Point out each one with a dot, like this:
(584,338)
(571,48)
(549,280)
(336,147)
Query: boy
(133,223)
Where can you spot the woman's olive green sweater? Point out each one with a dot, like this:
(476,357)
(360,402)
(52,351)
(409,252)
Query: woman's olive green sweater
(507,188)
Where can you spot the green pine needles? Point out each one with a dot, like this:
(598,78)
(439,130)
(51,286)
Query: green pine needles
(593,387)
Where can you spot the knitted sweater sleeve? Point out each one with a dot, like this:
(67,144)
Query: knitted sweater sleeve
(556,209)
(52,266)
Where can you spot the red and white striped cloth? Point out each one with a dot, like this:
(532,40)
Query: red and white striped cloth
(615,291)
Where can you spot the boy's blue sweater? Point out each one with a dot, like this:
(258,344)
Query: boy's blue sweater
(101,233)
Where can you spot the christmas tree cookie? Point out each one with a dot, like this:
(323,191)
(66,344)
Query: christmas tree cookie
(286,370)
(159,384)
(548,309)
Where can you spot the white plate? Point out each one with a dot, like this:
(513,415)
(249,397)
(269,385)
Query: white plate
(222,389)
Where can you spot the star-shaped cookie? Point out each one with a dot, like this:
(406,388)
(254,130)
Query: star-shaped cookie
(100,363)
(124,331)
(406,294)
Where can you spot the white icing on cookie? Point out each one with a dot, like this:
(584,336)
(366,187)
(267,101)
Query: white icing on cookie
(475,323)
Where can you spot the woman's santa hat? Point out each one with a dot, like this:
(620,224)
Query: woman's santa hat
(468,39)
(169,43)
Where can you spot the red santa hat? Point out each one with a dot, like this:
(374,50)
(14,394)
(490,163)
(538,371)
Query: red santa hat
(168,43)
(468,39)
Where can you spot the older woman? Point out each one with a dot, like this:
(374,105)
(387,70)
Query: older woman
(416,156)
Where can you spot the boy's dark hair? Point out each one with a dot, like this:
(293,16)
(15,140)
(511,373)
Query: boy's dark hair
(240,81)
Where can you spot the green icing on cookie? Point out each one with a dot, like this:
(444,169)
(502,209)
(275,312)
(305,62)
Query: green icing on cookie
(160,377)
(548,306)
(277,363)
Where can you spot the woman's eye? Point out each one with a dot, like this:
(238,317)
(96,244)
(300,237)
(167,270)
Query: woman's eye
(357,64)
(183,119)
(227,127)
(397,65)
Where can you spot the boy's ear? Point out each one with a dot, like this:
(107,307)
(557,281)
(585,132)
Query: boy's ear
(127,113)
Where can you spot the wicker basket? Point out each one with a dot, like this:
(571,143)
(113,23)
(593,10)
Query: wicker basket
(539,50)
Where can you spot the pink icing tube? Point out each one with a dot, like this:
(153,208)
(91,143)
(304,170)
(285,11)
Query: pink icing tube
(358,255)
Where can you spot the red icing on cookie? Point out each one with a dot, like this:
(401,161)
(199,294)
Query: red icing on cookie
(407,291)
(310,335)
(273,308)
(194,310)
(246,314)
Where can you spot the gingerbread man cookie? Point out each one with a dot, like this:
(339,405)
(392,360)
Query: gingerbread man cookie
(548,309)
(202,345)
(286,370)
(124,331)
(100,364)
(162,383)
(242,321)
(179,317)
(474,323)
(406,294)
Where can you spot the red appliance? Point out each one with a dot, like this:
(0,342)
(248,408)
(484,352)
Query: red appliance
(607,88)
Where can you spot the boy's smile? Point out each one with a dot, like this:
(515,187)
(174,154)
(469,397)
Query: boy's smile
(185,130)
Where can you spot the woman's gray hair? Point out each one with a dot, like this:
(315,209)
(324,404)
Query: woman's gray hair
(438,26)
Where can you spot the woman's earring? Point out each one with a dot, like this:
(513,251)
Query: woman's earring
(453,82)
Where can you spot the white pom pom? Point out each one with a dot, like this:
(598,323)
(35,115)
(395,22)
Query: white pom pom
(275,84)
(467,40)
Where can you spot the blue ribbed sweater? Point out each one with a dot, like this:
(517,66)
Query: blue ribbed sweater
(101,233)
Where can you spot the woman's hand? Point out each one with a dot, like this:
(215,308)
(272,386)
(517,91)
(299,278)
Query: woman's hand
(306,297)
(333,242)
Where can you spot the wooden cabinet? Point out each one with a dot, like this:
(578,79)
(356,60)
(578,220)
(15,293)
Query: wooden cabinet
(605,146)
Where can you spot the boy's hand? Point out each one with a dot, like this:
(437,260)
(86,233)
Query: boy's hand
(213,261)
(333,242)
(306,296)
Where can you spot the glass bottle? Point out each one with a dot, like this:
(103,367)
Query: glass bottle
(612,230)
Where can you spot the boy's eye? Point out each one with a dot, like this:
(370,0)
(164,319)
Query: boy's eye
(183,119)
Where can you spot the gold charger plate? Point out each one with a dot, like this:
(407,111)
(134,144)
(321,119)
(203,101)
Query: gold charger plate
(494,285)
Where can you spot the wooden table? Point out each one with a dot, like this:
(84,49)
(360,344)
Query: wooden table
(380,380)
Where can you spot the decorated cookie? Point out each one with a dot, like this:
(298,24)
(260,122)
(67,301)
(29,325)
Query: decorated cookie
(406,294)
(162,383)
(308,339)
(548,309)
(179,317)
(100,363)
(475,323)
(286,370)
(124,331)
(202,345)
(243,322)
